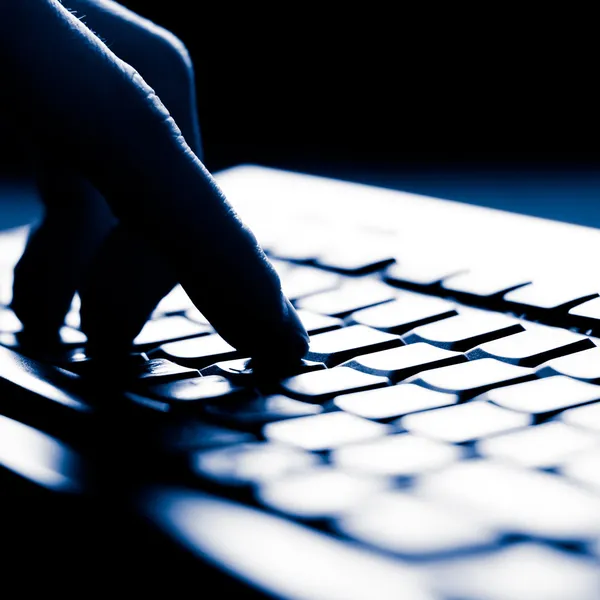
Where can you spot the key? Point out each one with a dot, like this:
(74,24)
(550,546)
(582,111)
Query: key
(175,302)
(339,345)
(587,315)
(543,296)
(321,492)
(325,431)
(586,417)
(318,386)
(465,331)
(519,500)
(484,285)
(412,527)
(583,468)
(405,361)
(361,257)
(393,401)
(243,371)
(194,392)
(533,346)
(198,352)
(543,446)
(396,455)
(405,313)
(351,296)
(544,395)
(417,275)
(8,321)
(291,561)
(581,365)
(315,323)
(250,463)
(471,378)
(167,329)
(261,410)
(464,422)
(524,571)
(301,282)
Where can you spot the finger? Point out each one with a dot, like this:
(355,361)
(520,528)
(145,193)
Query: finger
(119,134)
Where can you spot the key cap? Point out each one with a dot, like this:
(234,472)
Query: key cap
(405,361)
(393,401)
(586,417)
(465,331)
(8,321)
(301,282)
(542,446)
(352,295)
(464,422)
(524,571)
(339,345)
(405,313)
(412,527)
(318,386)
(583,468)
(321,492)
(587,315)
(544,395)
(167,329)
(532,347)
(583,365)
(291,560)
(545,296)
(175,302)
(396,455)
(520,500)
(261,410)
(471,378)
(243,371)
(198,352)
(484,285)
(420,274)
(250,463)
(315,323)
(325,431)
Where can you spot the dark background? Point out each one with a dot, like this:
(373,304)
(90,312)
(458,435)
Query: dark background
(476,108)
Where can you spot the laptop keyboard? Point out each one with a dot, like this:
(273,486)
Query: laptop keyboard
(442,419)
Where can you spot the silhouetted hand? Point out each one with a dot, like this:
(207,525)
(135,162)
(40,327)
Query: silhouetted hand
(130,210)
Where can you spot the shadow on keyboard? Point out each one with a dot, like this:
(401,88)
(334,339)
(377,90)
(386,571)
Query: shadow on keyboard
(440,440)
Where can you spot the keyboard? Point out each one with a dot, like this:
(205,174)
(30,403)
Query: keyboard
(439,441)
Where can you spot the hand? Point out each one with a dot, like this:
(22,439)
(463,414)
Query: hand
(130,210)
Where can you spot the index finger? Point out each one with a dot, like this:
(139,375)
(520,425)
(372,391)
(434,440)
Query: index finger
(81,101)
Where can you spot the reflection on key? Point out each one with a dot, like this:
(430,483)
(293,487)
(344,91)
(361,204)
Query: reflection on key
(250,463)
(521,500)
(393,401)
(200,351)
(351,296)
(404,361)
(325,431)
(464,422)
(396,455)
(317,386)
(414,527)
(544,395)
(524,571)
(582,365)
(532,347)
(319,492)
(474,377)
(542,446)
(339,345)
(405,313)
(465,331)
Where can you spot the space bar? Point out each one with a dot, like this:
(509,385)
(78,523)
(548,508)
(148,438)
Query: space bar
(275,555)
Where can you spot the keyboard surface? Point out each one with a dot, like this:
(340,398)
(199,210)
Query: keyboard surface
(441,436)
